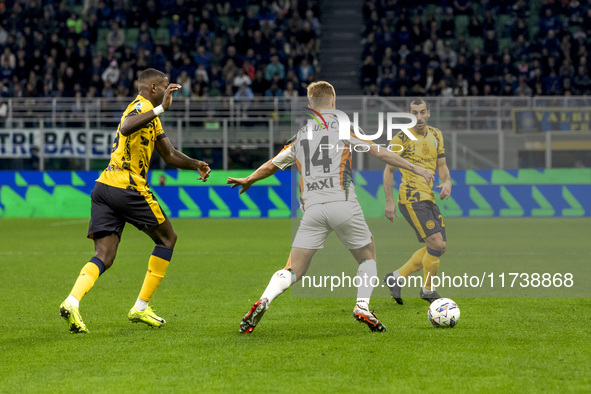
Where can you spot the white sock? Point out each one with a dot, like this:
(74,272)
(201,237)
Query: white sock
(396,274)
(280,281)
(363,303)
(73,300)
(427,291)
(367,270)
(141,305)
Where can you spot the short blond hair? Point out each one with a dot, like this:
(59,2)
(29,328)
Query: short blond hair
(320,93)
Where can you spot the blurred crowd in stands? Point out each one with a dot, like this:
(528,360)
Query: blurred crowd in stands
(94,48)
(258,48)
(476,47)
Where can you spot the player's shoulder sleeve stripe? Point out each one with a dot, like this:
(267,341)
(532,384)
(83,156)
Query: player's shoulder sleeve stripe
(138,106)
(290,141)
(439,138)
(400,136)
(141,105)
(288,146)
(431,130)
(436,132)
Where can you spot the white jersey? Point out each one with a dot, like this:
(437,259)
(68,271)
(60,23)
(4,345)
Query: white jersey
(324,162)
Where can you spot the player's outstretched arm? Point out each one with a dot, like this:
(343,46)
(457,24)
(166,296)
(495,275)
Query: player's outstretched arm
(179,160)
(133,123)
(445,177)
(394,160)
(390,210)
(264,171)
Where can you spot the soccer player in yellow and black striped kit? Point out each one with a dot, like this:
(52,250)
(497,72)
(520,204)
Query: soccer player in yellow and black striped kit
(416,200)
(122,195)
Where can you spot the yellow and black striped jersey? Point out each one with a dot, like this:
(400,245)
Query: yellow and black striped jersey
(423,152)
(130,155)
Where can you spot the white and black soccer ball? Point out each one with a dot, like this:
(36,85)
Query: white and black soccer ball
(443,313)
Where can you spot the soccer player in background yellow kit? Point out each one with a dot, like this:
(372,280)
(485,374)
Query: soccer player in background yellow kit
(416,200)
(122,195)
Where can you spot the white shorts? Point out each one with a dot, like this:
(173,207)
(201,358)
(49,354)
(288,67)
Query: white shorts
(345,218)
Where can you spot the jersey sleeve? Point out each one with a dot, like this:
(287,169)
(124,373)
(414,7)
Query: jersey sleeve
(158,130)
(397,145)
(440,145)
(139,108)
(286,157)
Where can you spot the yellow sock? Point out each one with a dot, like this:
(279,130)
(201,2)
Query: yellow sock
(413,264)
(430,267)
(88,275)
(157,266)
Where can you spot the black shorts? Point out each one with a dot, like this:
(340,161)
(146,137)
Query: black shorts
(112,207)
(424,217)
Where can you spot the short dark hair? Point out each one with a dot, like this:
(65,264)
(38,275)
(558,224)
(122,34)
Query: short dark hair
(418,101)
(149,74)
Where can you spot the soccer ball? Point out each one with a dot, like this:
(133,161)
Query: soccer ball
(444,313)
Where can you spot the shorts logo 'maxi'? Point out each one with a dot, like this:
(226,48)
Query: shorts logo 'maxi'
(321,184)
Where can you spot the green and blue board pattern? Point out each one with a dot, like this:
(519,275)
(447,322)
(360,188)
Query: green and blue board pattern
(475,193)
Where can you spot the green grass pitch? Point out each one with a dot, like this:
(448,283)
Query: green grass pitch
(221,266)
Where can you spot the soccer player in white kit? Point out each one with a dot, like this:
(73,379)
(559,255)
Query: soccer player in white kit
(328,202)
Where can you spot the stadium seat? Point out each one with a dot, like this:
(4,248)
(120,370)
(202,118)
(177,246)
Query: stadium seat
(131,35)
(161,36)
(431,9)
(533,29)
(77,9)
(461,22)
(228,22)
(505,43)
(475,42)
(101,41)
(503,25)
(573,29)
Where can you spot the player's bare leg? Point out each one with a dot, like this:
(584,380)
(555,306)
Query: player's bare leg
(105,252)
(165,238)
(435,248)
(297,265)
(105,249)
(366,258)
(163,234)
(299,261)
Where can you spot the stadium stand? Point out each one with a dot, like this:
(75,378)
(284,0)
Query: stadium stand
(69,67)
(476,48)
(94,48)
